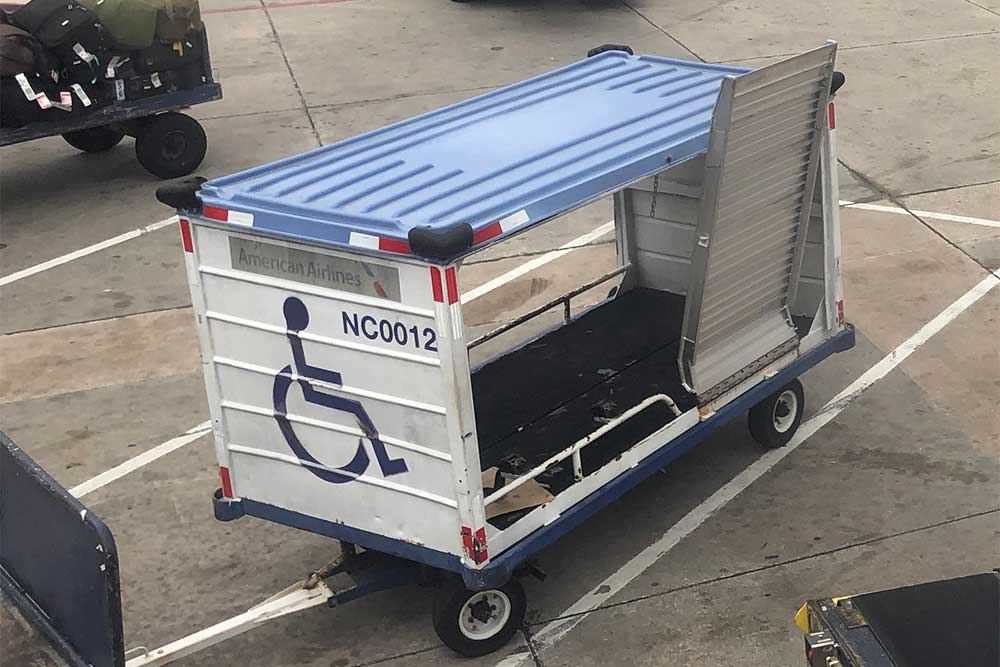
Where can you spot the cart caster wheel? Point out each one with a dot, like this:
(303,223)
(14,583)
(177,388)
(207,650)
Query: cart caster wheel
(170,145)
(474,623)
(94,139)
(774,420)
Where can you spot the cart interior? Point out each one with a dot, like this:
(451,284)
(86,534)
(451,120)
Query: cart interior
(556,387)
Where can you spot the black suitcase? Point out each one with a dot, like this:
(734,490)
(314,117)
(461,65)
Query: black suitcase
(62,24)
(163,57)
(16,110)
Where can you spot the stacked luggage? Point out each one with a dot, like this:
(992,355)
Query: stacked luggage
(60,58)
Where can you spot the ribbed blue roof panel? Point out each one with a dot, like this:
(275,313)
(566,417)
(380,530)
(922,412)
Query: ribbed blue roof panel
(520,154)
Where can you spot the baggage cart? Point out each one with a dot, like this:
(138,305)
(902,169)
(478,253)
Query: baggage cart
(168,143)
(948,622)
(328,294)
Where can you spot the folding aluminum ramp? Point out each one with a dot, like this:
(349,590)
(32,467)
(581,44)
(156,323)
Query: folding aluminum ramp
(760,170)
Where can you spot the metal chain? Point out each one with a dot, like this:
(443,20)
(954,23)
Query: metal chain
(652,203)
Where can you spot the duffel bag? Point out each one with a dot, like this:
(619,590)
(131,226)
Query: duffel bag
(58,23)
(162,57)
(131,24)
(17,54)
(176,19)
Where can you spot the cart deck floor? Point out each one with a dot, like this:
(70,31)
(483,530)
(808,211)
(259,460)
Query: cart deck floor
(544,396)
(540,398)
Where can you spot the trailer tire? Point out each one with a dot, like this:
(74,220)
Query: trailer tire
(94,139)
(170,145)
(474,623)
(775,420)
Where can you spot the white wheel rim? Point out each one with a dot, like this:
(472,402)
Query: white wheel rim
(786,409)
(476,623)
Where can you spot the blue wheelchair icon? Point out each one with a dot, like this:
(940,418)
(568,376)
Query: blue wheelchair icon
(296,321)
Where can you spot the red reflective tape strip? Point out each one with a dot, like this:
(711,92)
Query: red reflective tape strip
(833,117)
(483,556)
(186,236)
(392,245)
(214,213)
(227,483)
(475,547)
(486,233)
(467,540)
(452,280)
(436,285)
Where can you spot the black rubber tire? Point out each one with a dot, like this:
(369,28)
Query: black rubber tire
(94,139)
(170,145)
(450,600)
(762,416)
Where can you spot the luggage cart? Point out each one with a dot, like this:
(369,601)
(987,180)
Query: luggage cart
(328,294)
(168,144)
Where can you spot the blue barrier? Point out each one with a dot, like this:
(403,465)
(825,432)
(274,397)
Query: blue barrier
(58,563)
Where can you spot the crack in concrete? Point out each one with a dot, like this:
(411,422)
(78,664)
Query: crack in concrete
(946,188)
(291,73)
(372,100)
(390,658)
(867,46)
(897,200)
(986,9)
(778,564)
(662,30)
(536,656)
(110,318)
(535,253)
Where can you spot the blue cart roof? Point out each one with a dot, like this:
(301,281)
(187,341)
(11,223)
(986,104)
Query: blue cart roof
(441,184)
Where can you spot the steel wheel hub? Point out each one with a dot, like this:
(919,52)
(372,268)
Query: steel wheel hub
(484,614)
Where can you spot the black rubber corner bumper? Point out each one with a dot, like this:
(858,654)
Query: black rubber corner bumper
(226,509)
(441,244)
(181,193)
(597,50)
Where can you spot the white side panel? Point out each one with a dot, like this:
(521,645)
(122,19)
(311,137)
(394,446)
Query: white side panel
(664,224)
(812,279)
(333,402)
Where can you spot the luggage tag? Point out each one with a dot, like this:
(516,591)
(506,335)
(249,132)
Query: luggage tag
(65,102)
(155,79)
(29,92)
(83,54)
(113,65)
(84,98)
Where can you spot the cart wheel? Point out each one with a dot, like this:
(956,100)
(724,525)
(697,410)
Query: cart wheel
(170,145)
(94,139)
(774,420)
(474,623)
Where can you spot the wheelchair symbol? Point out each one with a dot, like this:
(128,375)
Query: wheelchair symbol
(296,320)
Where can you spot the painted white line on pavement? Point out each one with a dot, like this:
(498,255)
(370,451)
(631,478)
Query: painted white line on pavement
(556,630)
(145,458)
(83,252)
(931,215)
(538,262)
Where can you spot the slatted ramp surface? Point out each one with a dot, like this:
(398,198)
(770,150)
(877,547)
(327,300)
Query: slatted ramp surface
(760,172)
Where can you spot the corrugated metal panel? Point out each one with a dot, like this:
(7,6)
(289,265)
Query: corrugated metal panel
(760,171)
(530,150)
